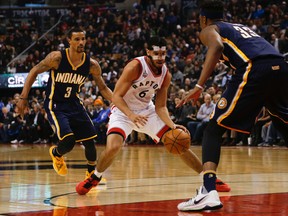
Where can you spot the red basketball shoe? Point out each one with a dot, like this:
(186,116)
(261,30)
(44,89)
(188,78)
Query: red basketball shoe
(85,186)
(222,186)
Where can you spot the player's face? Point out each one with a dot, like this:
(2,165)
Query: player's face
(158,55)
(78,41)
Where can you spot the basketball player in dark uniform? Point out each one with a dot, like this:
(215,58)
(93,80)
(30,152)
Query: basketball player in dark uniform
(260,79)
(68,70)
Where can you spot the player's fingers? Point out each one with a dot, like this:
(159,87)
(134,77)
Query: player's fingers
(142,122)
(183,128)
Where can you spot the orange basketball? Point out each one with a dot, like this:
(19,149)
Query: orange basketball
(176,141)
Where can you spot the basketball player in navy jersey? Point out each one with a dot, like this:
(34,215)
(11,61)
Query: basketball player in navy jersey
(68,70)
(260,79)
(142,78)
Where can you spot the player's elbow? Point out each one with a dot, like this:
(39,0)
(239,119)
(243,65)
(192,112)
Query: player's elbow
(160,110)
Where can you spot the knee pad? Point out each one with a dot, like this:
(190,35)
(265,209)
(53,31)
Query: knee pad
(90,150)
(66,145)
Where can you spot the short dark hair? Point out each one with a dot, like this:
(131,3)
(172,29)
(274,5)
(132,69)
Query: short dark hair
(212,9)
(74,29)
(156,41)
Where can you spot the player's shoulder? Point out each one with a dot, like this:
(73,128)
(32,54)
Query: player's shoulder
(94,62)
(134,64)
(55,54)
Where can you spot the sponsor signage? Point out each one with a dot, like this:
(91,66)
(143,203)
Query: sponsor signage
(17,80)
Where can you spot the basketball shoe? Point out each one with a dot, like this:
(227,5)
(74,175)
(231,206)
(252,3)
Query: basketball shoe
(202,201)
(222,186)
(59,164)
(103,180)
(85,186)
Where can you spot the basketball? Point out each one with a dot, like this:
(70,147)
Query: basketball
(176,141)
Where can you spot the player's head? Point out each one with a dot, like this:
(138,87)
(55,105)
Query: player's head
(77,39)
(210,9)
(157,50)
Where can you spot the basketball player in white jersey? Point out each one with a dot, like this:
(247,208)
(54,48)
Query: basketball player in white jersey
(142,79)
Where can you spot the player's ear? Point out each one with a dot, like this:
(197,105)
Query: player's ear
(147,52)
(68,39)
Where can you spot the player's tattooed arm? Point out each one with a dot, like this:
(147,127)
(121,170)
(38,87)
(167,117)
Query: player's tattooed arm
(96,72)
(51,61)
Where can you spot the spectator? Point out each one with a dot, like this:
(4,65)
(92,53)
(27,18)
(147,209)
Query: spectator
(100,122)
(196,127)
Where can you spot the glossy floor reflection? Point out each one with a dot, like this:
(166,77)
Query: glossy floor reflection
(144,180)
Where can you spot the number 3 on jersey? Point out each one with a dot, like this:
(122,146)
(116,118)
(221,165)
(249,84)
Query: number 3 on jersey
(68,92)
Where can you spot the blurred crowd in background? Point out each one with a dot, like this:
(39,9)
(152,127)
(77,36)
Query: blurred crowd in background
(117,36)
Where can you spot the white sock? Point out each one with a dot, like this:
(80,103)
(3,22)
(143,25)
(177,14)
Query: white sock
(98,174)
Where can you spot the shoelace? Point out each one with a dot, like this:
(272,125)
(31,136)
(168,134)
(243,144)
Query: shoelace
(59,160)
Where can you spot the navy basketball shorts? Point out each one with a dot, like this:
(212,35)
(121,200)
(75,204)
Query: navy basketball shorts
(70,118)
(263,82)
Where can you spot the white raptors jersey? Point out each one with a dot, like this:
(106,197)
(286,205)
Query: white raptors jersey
(140,94)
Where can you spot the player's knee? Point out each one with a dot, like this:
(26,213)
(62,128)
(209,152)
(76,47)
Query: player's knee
(66,145)
(114,143)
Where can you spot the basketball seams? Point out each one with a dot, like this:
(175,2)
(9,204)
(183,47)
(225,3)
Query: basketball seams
(175,143)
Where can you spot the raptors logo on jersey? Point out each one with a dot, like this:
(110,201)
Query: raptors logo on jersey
(144,88)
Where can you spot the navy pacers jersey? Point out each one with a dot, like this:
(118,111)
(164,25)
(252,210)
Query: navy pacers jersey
(65,110)
(260,74)
(65,82)
(241,44)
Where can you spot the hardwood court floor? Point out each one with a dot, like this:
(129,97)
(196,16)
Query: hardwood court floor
(143,181)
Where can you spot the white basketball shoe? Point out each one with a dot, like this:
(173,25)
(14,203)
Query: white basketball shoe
(202,201)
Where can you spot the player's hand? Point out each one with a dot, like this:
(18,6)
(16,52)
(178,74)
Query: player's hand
(138,120)
(182,127)
(21,107)
(193,94)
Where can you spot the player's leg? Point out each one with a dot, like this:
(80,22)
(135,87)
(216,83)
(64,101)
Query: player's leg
(106,158)
(211,154)
(61,127)
(91,155)
(56,152)
(192,160)
(156,129)
(231,112)
(119,128)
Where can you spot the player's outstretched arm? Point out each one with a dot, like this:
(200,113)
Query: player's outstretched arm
(210,37)
(52,60)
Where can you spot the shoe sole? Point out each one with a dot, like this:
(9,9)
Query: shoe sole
(54,166)
(206,207)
